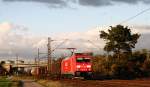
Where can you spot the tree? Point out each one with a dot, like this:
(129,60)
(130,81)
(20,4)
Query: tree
(2,69)
(119,39)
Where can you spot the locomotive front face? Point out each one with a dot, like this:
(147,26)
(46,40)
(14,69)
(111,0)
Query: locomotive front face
(83,64)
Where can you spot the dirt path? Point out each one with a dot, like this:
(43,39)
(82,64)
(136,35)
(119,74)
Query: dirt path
(30,83)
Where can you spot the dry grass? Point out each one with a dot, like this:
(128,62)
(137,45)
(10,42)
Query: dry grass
(15,84)
(50,83)
(8,82)
(17,78)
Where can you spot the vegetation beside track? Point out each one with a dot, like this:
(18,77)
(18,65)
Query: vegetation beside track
(5,82)
(52,83)
(9,82)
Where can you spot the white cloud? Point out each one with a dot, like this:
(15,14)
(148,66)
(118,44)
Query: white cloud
(79,39)
(18,40)
(15,39)
(83,41)
(40,43)
(5,28)
(144,29)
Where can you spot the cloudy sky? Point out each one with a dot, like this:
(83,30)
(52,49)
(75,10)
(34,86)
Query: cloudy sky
(26,24)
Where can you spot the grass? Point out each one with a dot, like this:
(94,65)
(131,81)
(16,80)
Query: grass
(9,82)
(5,82)
(50,83)
(16,78)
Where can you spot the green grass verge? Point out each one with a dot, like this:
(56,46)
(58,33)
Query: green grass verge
(5,82)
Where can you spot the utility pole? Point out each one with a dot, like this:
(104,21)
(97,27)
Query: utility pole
(49,56)
(17,59)
(38,63)
(38,57)
(49,52)
(17,64)
(35,61)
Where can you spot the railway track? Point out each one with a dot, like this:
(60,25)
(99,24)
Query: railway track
(106,83)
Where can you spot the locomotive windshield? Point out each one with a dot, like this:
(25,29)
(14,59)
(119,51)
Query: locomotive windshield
(83,59)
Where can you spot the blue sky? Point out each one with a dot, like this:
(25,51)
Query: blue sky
(76,21)
(39,18)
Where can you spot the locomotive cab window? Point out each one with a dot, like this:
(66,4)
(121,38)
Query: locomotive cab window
(83,59)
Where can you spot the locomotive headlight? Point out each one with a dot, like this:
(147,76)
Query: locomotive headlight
(88,66)
(78,66)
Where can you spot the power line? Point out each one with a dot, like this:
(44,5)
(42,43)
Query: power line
(60,45)
(134,16)
(93,44)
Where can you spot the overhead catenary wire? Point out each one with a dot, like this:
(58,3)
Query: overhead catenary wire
(93,44)
(130,18)
(60,45)
(65,40)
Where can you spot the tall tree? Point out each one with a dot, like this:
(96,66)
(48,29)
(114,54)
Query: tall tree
(119,39)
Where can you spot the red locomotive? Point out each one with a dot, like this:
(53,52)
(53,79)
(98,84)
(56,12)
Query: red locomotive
(78,65)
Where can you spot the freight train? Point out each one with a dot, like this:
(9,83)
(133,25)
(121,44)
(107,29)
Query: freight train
(78,65)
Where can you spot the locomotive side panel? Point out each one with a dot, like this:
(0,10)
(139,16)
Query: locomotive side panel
(67,66)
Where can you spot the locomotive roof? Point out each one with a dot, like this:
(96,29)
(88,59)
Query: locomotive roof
(86,54)
(76,54)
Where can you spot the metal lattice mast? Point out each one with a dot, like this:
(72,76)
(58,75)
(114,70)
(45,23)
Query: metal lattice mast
(49,55)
